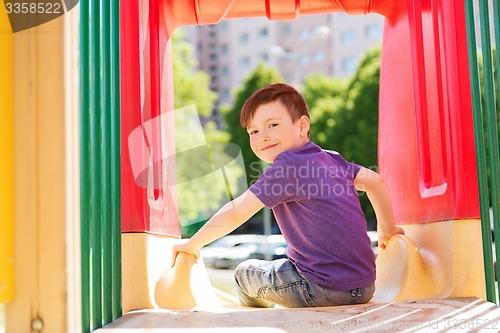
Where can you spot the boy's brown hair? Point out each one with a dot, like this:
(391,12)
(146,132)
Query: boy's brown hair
(291,99)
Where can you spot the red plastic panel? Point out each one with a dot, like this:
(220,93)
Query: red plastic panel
(146,93)
(189,12)
(426,143)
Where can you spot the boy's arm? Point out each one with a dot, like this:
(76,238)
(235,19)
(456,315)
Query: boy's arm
(374,186)
(229,217)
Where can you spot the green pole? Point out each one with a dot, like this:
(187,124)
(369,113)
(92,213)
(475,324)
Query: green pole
(480,153)
(115,161)
(84,164)
(106,161)
(100,163)
(491,119)
(95,180)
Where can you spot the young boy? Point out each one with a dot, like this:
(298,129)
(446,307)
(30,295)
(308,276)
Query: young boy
(313,194)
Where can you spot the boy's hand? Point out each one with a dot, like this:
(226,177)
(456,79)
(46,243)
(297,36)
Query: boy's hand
(383,237)
(184,246)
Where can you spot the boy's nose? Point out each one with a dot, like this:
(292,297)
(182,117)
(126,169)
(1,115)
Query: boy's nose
(264,138)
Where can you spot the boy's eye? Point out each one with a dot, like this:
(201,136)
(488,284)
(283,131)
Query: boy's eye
(272,125)
(252,132)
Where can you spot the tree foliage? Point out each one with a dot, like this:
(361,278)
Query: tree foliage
(201,189)
(191,85)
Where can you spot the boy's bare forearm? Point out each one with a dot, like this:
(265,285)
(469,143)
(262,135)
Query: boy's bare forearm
(229,217)
(222,223)
(381,202)
(376,190)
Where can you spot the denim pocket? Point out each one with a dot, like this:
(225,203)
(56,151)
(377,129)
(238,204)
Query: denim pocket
(292,294)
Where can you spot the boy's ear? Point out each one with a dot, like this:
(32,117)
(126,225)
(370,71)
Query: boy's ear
(305,125)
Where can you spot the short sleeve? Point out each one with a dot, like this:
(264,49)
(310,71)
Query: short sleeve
(275,186)
(349,170)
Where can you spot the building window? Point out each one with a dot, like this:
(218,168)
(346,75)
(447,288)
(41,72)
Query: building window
(373,31)
(213,69)
(286,29)
(244,38)
(304,59)
(264,56)
(213,47)
(225,71)
(212,34)
(225,93)
(244,62)
(303,34)
(262,33)
(318,56)
(223,48)
(213,56)
(349,65)
(348,37)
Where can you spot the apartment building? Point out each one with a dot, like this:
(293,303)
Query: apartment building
(331,44)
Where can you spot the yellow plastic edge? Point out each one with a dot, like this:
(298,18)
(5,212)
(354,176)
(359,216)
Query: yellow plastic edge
(7,159)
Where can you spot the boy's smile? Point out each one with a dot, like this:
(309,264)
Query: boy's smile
(272,131)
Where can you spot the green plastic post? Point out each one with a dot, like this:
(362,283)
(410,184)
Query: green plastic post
(480,153)
(105,114)
(95,168)
(84,164)
(115,162)
(491,119)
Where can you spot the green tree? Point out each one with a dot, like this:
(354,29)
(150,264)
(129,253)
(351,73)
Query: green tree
(357,126)
(191,85)
(325,98)
(259,78)
(201,189)
(344,115)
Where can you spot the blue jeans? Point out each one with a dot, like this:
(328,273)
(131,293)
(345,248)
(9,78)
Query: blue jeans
(263,283)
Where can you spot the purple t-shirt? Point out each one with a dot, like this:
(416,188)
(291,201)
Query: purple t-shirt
(317,208)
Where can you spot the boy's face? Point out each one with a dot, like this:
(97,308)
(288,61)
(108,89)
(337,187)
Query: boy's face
(272,131)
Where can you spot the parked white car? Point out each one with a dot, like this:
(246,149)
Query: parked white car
(229,251)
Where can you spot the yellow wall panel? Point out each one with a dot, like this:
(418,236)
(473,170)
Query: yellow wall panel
(39,180)
(6,160)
